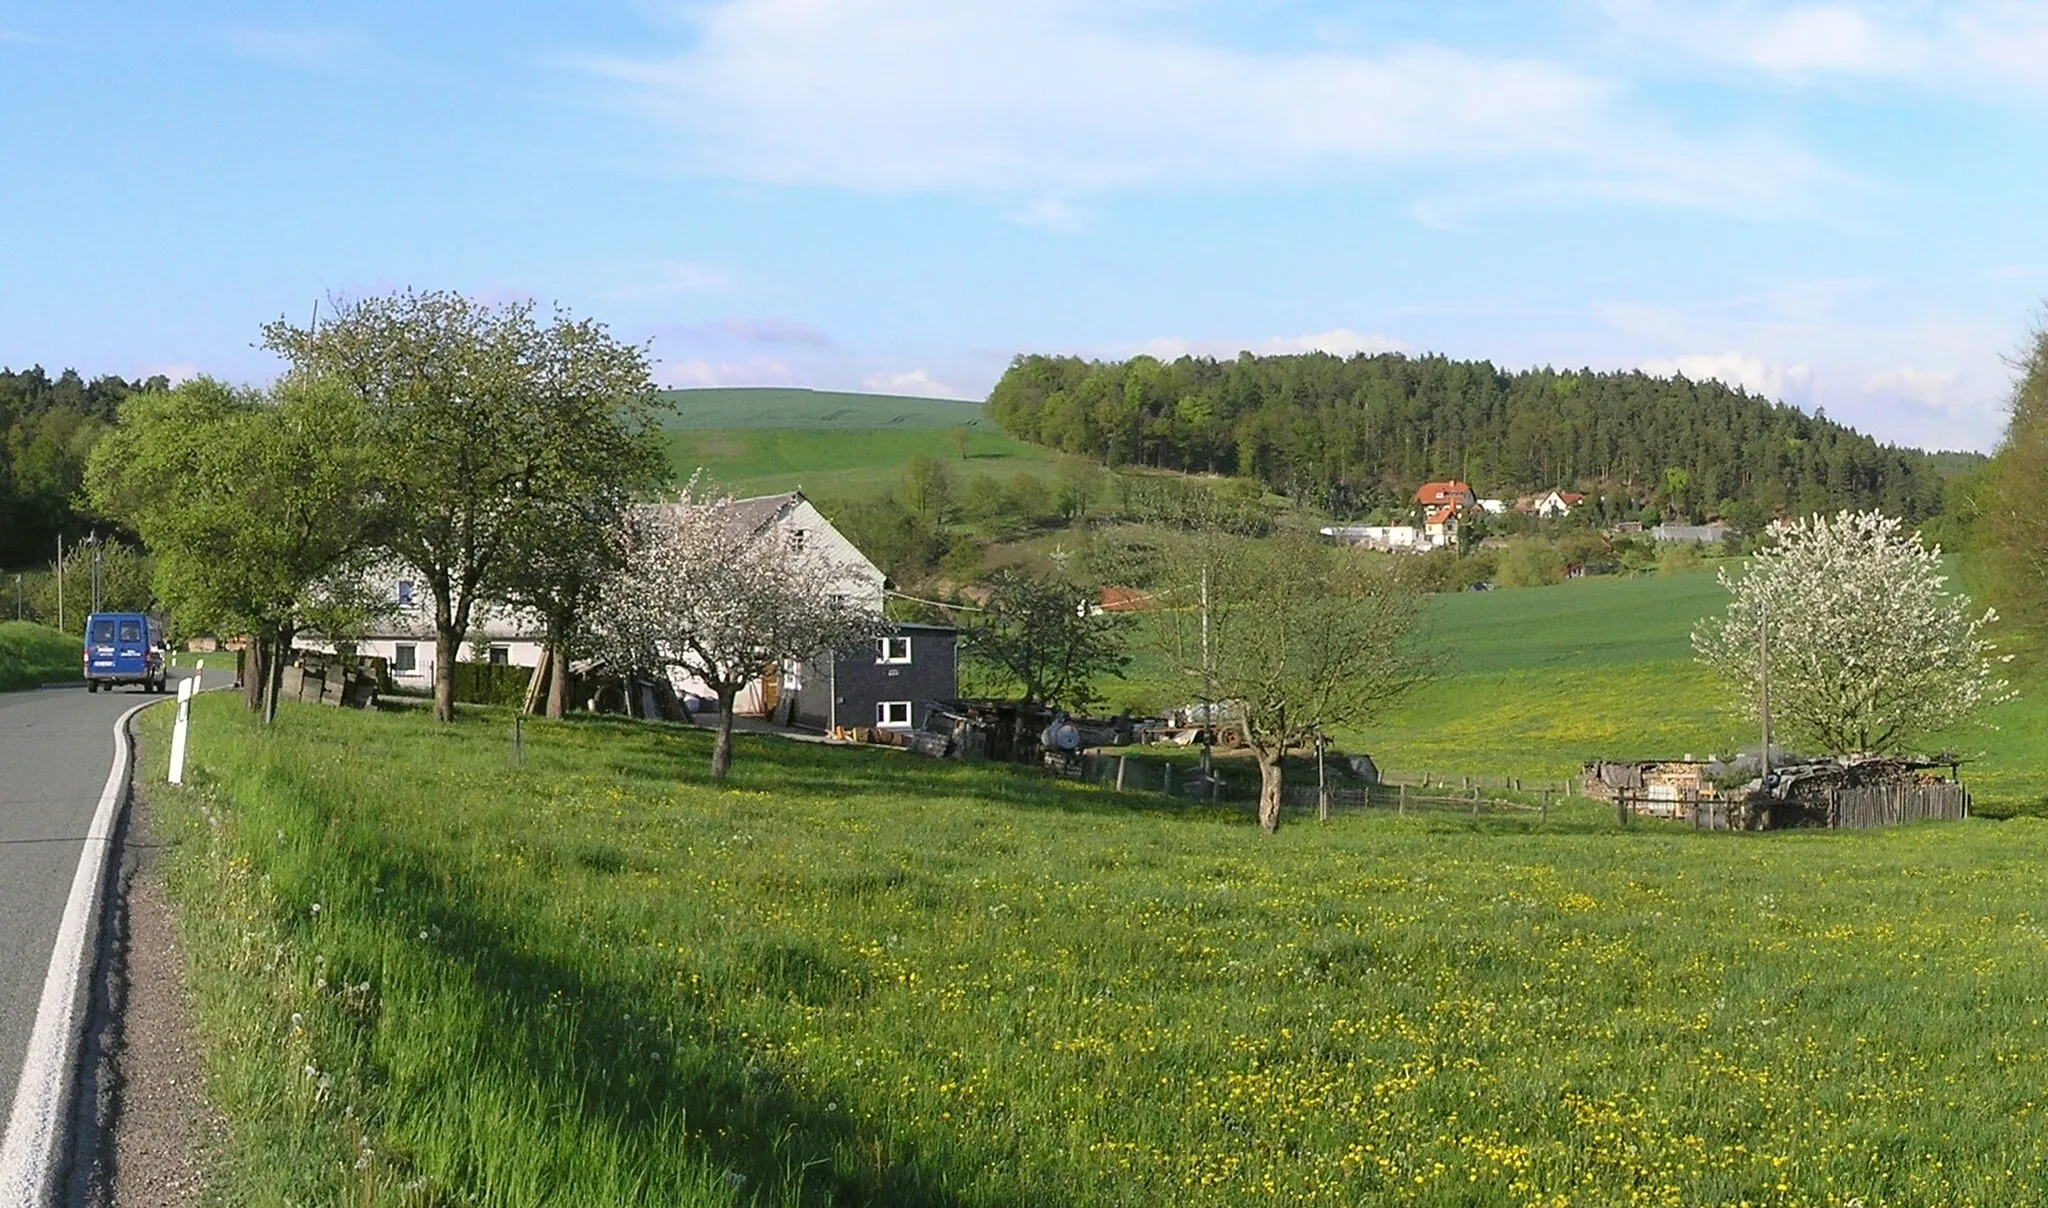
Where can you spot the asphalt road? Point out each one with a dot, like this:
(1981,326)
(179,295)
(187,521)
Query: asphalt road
(56,748)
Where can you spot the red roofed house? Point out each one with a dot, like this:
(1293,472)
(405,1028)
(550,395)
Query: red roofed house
(1455,493)
(1557,504)
(1441,502)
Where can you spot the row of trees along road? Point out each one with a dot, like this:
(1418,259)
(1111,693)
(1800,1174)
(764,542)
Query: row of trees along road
(491,452)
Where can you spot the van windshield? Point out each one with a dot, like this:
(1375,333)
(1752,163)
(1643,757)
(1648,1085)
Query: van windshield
(103,633)
(131,631)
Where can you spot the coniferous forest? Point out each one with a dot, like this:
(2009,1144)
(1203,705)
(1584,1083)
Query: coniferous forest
(1354,436)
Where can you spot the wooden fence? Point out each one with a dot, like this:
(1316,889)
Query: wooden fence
(1891,804)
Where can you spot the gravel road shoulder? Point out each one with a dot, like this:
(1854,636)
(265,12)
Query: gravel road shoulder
(146,1133)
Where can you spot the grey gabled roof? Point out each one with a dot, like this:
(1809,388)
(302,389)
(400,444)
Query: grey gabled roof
(750,516)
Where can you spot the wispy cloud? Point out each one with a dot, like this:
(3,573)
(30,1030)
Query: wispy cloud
(327,49)
(754,372)
(1064,99)
(1959,45)
(754,331)
(1787,383)
(915,381)
(668,278)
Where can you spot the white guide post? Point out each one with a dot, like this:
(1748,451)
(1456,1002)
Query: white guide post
(185,687)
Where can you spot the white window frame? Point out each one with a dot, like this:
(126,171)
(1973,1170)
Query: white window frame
(794,539)
(498,655)
(886,651)
(407,593)
(885,708)
(409,654)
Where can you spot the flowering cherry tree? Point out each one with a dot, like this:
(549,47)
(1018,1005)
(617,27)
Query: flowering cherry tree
(701,591)
(1867,650)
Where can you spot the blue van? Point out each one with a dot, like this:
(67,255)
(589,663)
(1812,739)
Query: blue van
(125,648)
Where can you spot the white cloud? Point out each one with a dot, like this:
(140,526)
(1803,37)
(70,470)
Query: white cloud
(1928,387)
(760,372)
(1747,371)
(1049,214)
(177,373)
(1069,98)
(1964,45)
(916,382)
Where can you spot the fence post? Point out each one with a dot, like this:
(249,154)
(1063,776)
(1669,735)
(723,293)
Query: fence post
(1167,773)
(1401,805)
(1621,808)
(1546,805)
(1120,773)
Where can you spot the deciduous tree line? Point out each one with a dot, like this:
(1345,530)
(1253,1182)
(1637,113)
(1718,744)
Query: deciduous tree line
(489,450)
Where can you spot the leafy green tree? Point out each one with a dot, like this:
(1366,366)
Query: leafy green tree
(2015,499)
(1303,638)
(257,507)
(1045,636)
(927,489)
(482,420)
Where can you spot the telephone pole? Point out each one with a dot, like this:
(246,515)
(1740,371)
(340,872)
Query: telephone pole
(1763,653)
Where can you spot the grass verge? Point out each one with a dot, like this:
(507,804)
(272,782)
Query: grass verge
(429,977)
(32,655)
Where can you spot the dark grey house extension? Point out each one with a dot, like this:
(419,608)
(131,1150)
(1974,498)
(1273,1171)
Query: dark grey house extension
(889,683)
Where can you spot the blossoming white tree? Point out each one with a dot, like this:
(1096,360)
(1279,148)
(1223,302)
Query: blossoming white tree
(702,592)
(1867,650)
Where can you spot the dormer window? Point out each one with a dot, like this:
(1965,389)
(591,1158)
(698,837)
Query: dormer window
(892,650)
(794,540)
(405,593)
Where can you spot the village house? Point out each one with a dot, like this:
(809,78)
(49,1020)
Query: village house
(402,630)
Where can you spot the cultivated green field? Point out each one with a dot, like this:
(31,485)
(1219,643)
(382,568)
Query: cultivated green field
(785,407)
(32,655)
(426,977)
(836,448)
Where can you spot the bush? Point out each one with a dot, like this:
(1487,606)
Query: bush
(1680,560)
(1530,564)
(1445,570)
(491,684)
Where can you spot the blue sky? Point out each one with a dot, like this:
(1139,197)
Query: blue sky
(1844,205)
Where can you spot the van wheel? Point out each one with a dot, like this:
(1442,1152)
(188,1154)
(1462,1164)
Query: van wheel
(92,685)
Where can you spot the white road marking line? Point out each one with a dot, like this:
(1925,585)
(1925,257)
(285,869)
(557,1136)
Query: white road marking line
(42,1099)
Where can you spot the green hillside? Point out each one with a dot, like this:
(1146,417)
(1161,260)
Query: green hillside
(31,655)
(836,448)
(788,407)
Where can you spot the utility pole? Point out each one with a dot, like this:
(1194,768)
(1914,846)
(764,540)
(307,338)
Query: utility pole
(1208,685)
(1763,653)
(94,541)
(17,597)
(60,580)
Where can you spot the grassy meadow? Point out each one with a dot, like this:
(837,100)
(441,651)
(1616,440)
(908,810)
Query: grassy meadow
(836,448)
(427,977)
(32,655)
(1537,680)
